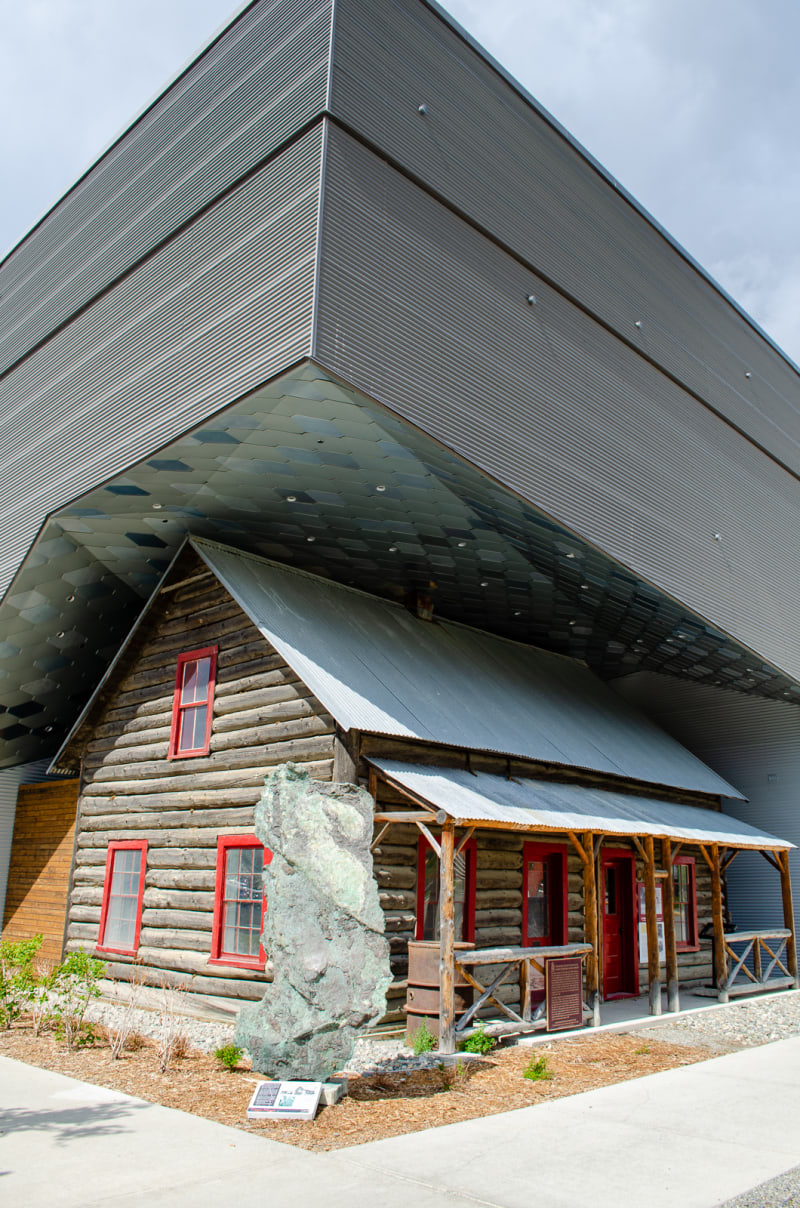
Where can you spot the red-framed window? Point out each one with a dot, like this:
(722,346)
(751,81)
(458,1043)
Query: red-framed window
(428,892)
(239,902)
(544,894)
(685,890)
(123,889)
(192,702)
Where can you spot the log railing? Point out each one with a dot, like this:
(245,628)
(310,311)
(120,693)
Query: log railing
(769,952)
(526,1019)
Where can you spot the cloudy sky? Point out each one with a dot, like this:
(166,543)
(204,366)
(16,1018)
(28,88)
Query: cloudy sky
(694,105)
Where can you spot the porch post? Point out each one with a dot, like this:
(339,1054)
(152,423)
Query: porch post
(653,962)
(788,915)
(673,994)
(720,959)
(590,930)
(447,1005)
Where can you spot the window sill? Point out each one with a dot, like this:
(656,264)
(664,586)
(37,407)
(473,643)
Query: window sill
(115,951)
(238,962)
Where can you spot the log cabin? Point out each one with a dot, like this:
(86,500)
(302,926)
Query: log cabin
(524,812)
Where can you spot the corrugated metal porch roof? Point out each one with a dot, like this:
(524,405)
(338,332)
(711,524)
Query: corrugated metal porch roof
(379,669)
(475,798)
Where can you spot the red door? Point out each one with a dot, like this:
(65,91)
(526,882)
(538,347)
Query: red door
(620,971)
(545,902)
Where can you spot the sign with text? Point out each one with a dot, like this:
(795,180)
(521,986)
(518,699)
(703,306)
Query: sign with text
(564,983)
(284,1101)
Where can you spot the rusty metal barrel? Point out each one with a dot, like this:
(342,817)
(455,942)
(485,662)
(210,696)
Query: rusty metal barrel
(422,996)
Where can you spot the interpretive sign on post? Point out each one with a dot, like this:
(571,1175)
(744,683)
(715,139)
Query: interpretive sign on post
(284,1101)
(564,983)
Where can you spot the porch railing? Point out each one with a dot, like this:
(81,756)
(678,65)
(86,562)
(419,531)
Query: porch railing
(768,951)
(518,961)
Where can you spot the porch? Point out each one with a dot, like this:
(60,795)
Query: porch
(449,806)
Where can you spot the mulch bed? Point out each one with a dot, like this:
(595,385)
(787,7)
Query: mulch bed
(378,1105)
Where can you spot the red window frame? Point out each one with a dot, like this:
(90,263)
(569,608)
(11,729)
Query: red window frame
(470,854)
(116,846)
(693,943)
(218,955)
(543,851)
(179,708)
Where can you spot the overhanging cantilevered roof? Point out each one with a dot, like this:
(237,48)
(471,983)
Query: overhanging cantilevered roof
(379,669)
(478,798)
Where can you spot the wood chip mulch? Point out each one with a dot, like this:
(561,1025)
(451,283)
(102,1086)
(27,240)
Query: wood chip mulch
(379,1105)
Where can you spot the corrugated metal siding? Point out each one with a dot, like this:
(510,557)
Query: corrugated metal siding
(377,668)
(255,87)
(485,149)
(221,308)
(755,743)
(420,311)
(475,797)
(10,780)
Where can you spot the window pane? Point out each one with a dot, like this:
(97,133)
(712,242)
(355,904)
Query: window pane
(194,682)
(123,899)
(430,918)
(243,901)
(538,900)
(611,889)
(192,735)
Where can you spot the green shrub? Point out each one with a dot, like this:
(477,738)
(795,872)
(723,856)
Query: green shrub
(479,1042)
(74,984)
(228,1055)
(423,1040)
(537,1070)
(18,979)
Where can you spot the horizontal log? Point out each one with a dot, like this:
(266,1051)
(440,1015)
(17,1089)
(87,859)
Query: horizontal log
(497,878)
(398,899)
(193,963)
(491,899)
(284,746)
(191,941)
(176,920)
(181,878)
(387,853)
(273,670)
(395,877)
(84,914)
(169,819)
(192,857)
(400,920)
(148,678)
(178,899)
(498,918)
(218,987)
(143,737)
(121,727)
(486,937)
(232,654)
(273,696)
(145,707)
(487,858)
(235,778)
(161,837)
(118,827)
(165,801)
(93,875)
(90,856)
(87,895)
(297,717)
(257,698)
(223,618)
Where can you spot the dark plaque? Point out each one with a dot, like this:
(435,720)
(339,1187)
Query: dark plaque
(564,993)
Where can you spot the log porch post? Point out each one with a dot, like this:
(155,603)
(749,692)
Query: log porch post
(590,930)
(720,959)
(788,915)
(653,962)
(673,993)
(447,1005)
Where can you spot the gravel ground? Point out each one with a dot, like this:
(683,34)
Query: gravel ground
(782,1192)
(735,1026)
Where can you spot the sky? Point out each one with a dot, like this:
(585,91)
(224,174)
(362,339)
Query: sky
(693,105)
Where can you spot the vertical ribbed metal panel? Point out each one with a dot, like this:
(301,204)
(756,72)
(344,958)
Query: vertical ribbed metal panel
(489,152)
(10,780)
(222,307)
(257,85)
(420,311)
(755,744)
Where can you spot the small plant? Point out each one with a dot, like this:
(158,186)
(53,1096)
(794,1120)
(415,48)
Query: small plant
(74,985)
(537,1070)
(642,1051)
(17,977)
(229,1056)
(121,1031)
(173,1039)
(423,1040)
(479,1042)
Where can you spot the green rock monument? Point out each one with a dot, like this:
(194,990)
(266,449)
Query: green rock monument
(323,928)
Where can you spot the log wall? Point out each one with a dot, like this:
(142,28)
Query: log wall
(262,716)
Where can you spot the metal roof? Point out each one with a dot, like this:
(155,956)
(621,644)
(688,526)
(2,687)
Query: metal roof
(477,797)
(378,668)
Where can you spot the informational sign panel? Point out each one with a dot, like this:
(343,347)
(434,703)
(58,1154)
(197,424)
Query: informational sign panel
(662,947)
(564,982)
(285,1101)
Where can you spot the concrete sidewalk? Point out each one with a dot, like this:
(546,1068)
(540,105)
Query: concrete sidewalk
(695,1136)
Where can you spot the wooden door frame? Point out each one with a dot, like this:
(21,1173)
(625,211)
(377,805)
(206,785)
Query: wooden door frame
(607,855)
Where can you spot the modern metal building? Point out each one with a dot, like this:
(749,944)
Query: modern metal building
(344,295)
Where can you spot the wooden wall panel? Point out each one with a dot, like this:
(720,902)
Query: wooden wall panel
(41,854)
